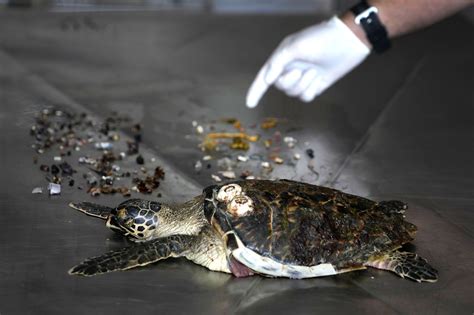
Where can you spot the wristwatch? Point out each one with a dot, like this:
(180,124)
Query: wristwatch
(367,17)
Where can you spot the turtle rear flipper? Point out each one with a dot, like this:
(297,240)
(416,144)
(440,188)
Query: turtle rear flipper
(406,265)
(140,254)
(92,209)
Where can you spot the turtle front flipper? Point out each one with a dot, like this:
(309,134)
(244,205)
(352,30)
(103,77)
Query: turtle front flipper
(140,254)
(406,265)
(92,209)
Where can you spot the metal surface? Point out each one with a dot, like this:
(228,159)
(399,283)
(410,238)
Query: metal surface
(399,127)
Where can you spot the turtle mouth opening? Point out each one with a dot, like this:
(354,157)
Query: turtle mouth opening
(113,224)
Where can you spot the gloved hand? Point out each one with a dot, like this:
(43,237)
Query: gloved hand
(308,62)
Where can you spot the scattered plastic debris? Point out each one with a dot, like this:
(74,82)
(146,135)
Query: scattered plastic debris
(228,174)
(140,160)
(103,145)
(242,158)
(290,141)
(239,144)
(37,190)
(150,183)
(268,123)
(65,133)
(234,122)
(278,160)
(44,168)
(86,160)
(66,169)
(267,143)
(107,181)
(54,189)
(94,191)
(54,169)
(272,152)
(245,174)
(216,178)
(132,148)
(198,166)
(229,135)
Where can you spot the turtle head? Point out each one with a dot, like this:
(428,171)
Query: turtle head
(135,218)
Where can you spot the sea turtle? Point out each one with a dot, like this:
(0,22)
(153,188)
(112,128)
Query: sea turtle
(276,228)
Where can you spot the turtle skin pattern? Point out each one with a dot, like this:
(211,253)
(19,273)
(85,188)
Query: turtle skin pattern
(140,254)
(302,224)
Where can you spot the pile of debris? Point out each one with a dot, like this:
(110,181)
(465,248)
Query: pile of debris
(252,152)
(106,164)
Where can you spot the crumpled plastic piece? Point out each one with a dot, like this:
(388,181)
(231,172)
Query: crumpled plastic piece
(54,189)
(216,178)
(66,169)
(103,145)
(37,190)
(242,158)
(290,141)
(278,160)
(228,174)
(198,166)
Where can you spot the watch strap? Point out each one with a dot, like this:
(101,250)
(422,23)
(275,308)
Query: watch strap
(367,17)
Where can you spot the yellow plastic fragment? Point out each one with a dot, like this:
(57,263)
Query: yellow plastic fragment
(239,144)
(278,160)
(267,143)
(269,122)
(230,135)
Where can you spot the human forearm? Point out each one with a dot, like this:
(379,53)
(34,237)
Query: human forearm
(404,16)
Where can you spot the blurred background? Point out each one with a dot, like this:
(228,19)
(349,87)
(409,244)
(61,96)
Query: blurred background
(236,6)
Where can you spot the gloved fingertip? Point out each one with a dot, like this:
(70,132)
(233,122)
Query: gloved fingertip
(251,103)
(308,97)
(305,99)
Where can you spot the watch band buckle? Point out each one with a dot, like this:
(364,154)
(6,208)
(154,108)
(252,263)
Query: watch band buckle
(365,14)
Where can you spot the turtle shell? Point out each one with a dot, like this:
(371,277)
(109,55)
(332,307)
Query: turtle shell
(300,224)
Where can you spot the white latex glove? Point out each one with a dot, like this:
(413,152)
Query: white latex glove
(308,62)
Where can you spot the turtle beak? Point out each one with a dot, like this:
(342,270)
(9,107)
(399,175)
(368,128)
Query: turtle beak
(113,225)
